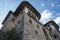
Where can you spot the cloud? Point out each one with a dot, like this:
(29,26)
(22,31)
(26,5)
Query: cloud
(59,29)
(0,26)
(0,23)
(46,16)
(52,4)
(42,5)
(57,20)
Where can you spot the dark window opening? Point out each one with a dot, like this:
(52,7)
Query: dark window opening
(37,26)
(13,20)
(55,36)
(28,11)
(50,28)
(30,21)
(36,32)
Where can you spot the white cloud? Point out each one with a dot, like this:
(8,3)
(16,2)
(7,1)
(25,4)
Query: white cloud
(57,20)
(0,23)
(46,15)
(59,29)
(0,26)
(42,5)
(1,19)
(52,4)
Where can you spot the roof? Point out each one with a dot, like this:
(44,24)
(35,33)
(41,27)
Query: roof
(28,5)
(19,9)
(53,23)
(9,13)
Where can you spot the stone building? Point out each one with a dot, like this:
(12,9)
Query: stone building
(53,30)
(26,20)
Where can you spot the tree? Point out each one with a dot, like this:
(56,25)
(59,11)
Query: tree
(11,35)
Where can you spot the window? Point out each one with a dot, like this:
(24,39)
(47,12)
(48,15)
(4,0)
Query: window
(28,11)
(36,32)
(13,20)
(50,28)
(55,36)
(37,26)
(30,21)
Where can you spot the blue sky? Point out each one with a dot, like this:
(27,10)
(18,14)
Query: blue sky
(49,9)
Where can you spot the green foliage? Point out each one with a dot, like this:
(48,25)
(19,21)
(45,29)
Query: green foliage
(10,35)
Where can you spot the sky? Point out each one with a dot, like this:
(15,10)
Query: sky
(49,9)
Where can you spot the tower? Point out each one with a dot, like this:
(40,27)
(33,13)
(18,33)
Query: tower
(53,30)
(26,21)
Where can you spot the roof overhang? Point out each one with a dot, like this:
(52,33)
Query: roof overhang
(53,23)
(19,9)
(9,13)
(28,5)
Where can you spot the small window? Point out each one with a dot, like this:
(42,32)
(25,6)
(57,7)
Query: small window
(50,28)
(55,36)
(13,20)
(37,26)
(36,32)
(30,21)
(28,11)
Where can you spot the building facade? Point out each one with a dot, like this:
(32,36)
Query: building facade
(53,30)
(26,20)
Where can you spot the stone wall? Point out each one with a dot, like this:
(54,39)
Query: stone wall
(32,29)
